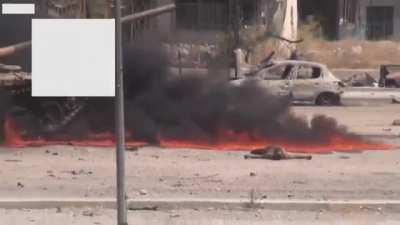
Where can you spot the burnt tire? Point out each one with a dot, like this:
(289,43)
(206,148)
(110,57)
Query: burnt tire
(327,99)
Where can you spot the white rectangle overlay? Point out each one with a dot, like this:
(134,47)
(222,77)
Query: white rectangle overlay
(10,8)
(73,58)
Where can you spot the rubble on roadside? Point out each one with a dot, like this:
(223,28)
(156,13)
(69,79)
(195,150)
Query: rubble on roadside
(396,122)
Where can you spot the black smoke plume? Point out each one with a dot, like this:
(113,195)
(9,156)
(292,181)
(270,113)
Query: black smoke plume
(159,104)
(194,107)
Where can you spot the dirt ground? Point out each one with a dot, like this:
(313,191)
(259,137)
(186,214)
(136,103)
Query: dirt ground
(365,120)
(189,217)
(85,172)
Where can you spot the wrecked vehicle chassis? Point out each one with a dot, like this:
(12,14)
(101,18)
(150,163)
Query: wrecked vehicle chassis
(38,115)
(302,81)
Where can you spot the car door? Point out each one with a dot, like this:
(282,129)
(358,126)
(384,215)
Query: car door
(275,79)
(306,82)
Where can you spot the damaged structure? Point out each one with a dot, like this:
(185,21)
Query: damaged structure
(372,20)
(205,20)
(359,19)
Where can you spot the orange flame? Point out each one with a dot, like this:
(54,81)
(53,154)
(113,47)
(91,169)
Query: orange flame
(227,141)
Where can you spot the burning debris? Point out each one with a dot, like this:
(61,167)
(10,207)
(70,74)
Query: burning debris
(274,153)
(199,112)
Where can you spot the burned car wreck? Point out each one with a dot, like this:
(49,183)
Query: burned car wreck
(302,81)
(44,115)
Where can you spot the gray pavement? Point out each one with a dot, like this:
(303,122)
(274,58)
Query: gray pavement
(183,173)
(99,216)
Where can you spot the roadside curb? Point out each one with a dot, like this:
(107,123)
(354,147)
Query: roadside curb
(176,203)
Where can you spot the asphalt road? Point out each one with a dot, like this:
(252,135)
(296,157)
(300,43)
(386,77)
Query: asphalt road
(84,172)
(197,217)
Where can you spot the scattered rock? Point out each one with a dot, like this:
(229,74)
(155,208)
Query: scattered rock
(146,208)
(143,192)
(344,157)
(178,184)
(87,213)
(299,182)
(50,173)
(54,153)
(252,174)
(131,149)
(396,122)
(58,210)
(174,216)
(12,160)
(264,197)
(80,172)
(20,185)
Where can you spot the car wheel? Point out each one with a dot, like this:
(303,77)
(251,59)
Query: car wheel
(328,99)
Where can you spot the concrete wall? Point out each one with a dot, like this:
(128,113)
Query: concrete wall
(363,15)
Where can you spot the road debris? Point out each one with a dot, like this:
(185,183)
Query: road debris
(143,192)
(146,208)
(396,122)
(20,185)
(12,160)
(274,153)
(87,213)
(80,172)
(131,148)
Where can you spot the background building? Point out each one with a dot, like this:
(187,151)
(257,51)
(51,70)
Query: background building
(360,19)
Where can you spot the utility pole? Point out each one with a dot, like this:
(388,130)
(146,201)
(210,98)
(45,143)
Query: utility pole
(236,21)
(120,118)
(119,104)
(236,33)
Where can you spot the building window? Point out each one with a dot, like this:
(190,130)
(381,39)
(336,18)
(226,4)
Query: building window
(202,14)
(249,11)
(379,22)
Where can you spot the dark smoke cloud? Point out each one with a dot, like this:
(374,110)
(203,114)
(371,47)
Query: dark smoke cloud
(192,107)
(199,108)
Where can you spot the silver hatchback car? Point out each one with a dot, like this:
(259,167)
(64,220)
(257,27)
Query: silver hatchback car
(302,80)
